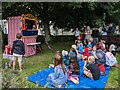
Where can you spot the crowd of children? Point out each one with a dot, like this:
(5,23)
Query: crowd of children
(95,55)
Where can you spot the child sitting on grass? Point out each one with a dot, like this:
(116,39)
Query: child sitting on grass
(73,70)
(100,62)
(78,43)
(59,77)
(112,49)
(93,52)
(89,45)
(92,71)
(80,48)
(74,49)
(65,57)
(85,56)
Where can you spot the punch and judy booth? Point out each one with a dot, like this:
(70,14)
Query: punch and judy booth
(27,25)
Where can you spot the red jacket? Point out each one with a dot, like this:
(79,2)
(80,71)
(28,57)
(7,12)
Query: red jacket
(86,53)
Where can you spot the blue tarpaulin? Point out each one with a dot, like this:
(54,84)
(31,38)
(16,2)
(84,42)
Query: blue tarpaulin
(40,78)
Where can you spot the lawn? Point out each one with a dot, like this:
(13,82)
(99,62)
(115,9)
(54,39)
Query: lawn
(14,79)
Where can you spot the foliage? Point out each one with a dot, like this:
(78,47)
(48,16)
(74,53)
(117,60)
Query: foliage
(66,15)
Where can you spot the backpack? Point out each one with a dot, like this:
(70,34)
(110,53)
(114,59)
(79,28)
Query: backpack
(110,59)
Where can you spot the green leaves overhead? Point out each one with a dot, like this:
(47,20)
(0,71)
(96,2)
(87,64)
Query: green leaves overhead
(66,14)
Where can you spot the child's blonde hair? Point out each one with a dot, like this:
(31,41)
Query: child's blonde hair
(91,59)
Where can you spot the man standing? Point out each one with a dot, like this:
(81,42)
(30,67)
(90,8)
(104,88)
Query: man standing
(111,29)
(95,34)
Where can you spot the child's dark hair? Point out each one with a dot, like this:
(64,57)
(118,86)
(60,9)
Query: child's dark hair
(73,58)
(72,55)
(19,36)
(75,67)
(85,42)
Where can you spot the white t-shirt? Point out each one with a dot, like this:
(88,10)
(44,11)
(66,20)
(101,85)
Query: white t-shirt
(77,33)
(104,33)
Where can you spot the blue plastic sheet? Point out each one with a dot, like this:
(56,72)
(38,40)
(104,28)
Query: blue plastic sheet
(40,78)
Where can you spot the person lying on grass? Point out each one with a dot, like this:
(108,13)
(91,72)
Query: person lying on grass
(59,77)
(91,71)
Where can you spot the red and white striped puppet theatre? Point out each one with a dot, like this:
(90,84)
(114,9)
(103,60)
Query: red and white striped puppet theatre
(27,25)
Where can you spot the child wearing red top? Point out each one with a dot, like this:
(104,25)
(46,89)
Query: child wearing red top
(86,55)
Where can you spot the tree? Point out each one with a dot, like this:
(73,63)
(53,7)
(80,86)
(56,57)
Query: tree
(66,15)
(38,9)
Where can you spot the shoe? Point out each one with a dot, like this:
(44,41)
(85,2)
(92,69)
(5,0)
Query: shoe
(22,70)
(102,73)
(10,64)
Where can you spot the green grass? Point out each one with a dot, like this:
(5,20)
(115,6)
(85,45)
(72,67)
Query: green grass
(41,61)
(114,79)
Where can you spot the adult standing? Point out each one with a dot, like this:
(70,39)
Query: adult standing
(104,31)
(111,29)
(95,34)
(87,35)
(77,33)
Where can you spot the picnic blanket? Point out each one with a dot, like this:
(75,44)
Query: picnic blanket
(40,78)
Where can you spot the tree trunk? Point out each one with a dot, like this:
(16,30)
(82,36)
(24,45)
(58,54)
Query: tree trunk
(46,21)
(47,31)
(1,39)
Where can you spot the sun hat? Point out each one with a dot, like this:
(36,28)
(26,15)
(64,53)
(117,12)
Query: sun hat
(64,52)
(74,46)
